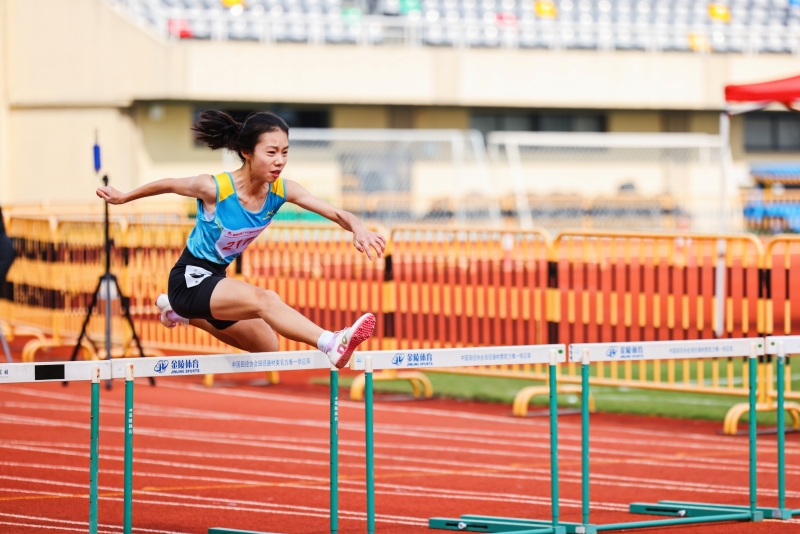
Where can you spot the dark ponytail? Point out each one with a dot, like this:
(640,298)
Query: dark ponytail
(218,130)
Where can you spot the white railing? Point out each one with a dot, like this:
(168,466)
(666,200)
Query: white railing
(415,30)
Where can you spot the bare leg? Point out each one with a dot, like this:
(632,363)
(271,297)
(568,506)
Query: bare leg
(253,335)
(233,300)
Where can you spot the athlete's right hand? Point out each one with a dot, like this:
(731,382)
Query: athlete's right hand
(111,195)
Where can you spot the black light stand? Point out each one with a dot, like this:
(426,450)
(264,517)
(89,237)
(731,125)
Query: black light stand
(104,284)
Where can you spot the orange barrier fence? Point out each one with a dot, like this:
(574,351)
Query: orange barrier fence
(313,268)
(468,287)
(441,287)
(648,287)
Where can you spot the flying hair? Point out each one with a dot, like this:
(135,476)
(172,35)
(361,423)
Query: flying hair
(217,129)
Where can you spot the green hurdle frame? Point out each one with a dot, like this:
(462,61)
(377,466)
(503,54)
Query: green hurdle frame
(96,371)
(681,513)
(684,513)
(773,345)
(419,360)
(480,523)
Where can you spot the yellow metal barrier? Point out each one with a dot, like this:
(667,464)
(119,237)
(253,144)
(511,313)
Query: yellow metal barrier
(467,286)
(314,268)
(782,256)
(632,286)
(440,287)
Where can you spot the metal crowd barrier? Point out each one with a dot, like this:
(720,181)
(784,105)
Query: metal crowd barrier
(442,287)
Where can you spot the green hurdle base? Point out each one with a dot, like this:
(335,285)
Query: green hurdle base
(508,525)
(696,509)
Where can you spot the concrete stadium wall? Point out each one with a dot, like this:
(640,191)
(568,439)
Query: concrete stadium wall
(82,52)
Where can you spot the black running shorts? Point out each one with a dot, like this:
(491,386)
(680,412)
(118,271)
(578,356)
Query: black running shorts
(191,282)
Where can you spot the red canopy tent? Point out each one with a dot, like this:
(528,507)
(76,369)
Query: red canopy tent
(751,97)
(786,91)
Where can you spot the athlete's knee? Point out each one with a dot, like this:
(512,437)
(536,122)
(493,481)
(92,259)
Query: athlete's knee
(271,343)
(268,299)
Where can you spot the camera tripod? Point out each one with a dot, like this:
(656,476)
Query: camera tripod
(104,284)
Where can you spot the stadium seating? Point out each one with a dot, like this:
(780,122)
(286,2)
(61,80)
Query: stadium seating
(751,26)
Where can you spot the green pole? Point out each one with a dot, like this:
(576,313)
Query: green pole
(585,437)
(127,512)
(781,427)
(370,446)
(752,367)
(554,436)
(94,450)
(334,450)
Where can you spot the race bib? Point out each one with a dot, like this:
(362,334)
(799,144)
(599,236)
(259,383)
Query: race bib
(233,242)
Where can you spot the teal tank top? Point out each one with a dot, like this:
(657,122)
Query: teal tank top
(222,236)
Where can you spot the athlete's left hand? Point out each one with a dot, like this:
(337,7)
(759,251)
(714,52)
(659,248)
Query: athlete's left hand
(364,240)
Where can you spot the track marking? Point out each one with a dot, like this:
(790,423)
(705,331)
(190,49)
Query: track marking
(436,412)
(85,524)
(495,470)
(52,527)
(418,431)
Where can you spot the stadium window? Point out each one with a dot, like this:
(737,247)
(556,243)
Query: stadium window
(571,123)
(294,117)
(771,132)
(529,122)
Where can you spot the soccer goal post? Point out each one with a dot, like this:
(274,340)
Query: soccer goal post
(626,180)
(394,176)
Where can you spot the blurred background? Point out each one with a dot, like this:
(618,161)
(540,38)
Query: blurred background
(518,113)
(544,171)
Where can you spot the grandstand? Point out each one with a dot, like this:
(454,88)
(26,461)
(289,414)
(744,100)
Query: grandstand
(412,128)
(744,26)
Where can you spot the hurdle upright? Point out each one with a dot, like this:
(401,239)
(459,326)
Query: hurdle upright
(422,359)
(781,347)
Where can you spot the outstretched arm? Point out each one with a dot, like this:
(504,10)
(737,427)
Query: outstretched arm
(363,238)
(201,187)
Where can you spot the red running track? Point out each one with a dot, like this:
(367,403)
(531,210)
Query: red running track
(256,457)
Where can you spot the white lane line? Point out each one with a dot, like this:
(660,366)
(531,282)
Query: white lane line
(401,489)
(183,465)
(84,524)
(404,410)
(265,507)
(417,431)
(359,515)
(325,451)
(453,414)
(239,443)
(524,440)
(542,475)
(38,492)
(53,527)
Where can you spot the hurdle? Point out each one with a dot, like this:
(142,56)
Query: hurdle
(128,369)
(780,347)
(422,359)
(682,513)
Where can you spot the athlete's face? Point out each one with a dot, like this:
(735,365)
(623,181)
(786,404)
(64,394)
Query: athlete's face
(269,157)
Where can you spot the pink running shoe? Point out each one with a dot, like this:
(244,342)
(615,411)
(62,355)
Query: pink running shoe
(168,317)
(345,341)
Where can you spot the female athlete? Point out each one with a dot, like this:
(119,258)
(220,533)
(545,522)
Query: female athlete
(232,210)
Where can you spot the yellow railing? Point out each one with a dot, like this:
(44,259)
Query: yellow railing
(439,287)
(313,267)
